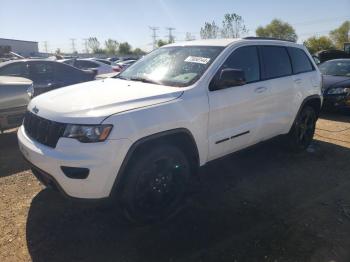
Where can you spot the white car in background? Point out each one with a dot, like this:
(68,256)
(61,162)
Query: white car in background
(90,64)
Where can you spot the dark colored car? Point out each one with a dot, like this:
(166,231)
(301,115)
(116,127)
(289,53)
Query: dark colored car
(46,75)
(336,83)
(326,55)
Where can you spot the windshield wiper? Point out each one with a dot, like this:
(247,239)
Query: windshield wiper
(121,77)
(144,80)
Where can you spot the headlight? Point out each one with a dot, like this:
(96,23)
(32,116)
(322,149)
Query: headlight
(30,91)
(338,91)
(88,134)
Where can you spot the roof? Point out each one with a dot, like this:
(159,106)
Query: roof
(206,42)
(228,41)
(7,39)
(14,80)
(25,60)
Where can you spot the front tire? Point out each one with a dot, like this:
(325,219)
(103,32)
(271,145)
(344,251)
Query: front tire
(302,132)
(155,184)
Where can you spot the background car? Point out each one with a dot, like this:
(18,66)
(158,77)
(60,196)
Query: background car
(125,64)
(113,59)
(326,55)
(115,67)
(45,74)
(89,64)
(336,83)
(15,94)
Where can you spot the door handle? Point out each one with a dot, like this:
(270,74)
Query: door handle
(260,90)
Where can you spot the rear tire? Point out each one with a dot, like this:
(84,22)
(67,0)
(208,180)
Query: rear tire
(155,184)
(302,132)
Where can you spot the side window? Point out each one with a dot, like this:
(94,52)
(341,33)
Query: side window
(42,71)
(65,72)
(245,58)
(13,69)
(300,60)
(275,61)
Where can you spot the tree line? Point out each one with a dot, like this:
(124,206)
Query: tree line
(112,47)
(232,26)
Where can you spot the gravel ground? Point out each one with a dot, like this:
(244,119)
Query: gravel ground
(262,204)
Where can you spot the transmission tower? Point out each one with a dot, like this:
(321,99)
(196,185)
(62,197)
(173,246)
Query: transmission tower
(86,45)
(73,44)
(154,35)
(171,38)
(45,47)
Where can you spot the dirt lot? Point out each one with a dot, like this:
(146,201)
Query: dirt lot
(263,204)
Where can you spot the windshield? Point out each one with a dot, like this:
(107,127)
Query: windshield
(174,66)
(336,68)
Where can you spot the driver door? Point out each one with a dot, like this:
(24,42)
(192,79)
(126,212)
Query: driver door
(237,112)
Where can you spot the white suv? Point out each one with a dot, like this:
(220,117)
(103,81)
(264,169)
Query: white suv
(138,137)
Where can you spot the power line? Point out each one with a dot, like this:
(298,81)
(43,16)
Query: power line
(154,35)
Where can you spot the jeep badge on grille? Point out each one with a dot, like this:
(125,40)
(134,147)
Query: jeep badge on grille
(35,110)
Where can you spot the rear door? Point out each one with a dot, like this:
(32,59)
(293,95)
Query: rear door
(67,75)
(277,76)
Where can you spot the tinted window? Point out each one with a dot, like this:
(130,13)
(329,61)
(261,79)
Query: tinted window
(84,64)
(65,72)
(104,61)
(13,69)
(246,59)
(42,71)
(275,62)
(300,60)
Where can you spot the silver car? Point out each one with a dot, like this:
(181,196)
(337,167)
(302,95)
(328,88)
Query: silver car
(15,94)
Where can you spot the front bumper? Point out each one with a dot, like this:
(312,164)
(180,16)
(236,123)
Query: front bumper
(337,101)
(11,118)
(102,159)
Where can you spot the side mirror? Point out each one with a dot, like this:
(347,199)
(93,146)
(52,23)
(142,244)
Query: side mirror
(228,78)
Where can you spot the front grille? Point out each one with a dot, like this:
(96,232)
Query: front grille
(42,130)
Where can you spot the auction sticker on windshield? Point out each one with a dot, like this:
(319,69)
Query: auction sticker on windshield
(197,59)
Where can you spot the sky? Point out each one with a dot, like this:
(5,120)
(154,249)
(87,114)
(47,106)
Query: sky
(57,22)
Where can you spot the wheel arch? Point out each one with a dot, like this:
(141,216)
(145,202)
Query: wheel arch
(180,137)
(314,101)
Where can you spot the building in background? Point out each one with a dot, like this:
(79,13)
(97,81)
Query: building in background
(21,47)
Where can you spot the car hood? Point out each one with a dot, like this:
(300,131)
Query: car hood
(330,81)
(91,102)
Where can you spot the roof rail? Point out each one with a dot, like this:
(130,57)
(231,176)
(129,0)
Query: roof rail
(266,38)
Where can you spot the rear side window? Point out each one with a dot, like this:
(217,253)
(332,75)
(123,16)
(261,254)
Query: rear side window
(84,64)
(14,69)
(275,61)
(246,59)
(300,60)
(65,72)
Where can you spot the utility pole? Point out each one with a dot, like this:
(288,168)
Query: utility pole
(86,45)
(171,38)
(73,44)
(45,47)
(154,35)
